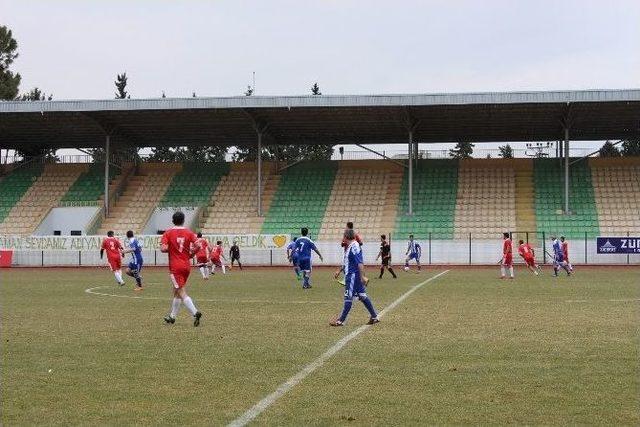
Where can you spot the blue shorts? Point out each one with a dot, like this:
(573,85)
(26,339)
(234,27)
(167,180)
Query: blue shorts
(294,260)
(414,255)
(559,258)
(304,264)
(135,267)
(353,286)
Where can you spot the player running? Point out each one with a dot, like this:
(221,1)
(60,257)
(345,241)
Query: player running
(114,255)
(558,258)
(414,251)
(234,254)
(304,246)
(202,257)
(216,258)
(527,253)
(355,281)
(135,265)
(385,253)
(181,244)
(292,256)
(565,252)
(344,244)
(507,257)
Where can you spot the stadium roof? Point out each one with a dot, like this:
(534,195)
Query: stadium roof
(364,119)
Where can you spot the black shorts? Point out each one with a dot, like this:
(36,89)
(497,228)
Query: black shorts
(385,261)
(235,258)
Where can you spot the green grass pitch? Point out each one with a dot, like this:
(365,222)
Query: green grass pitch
(466,348)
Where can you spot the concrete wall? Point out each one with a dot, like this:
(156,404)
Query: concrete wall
(161,219)
(66,219)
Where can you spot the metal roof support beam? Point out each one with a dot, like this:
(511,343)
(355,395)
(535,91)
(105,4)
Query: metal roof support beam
(107,142)
(381,155)
(567,211)
(411,151)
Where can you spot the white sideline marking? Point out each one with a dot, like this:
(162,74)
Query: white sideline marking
(283,388)
(239,301)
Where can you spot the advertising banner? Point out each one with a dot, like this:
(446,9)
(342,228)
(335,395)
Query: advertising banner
(90,243)
(618,245)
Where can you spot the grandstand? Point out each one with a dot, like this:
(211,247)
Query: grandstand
(451,200)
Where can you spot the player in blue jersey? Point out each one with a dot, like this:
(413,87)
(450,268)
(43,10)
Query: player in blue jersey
(135,265)
(414,251)
(292,256)
(304,246)
(558,257)
(355,281)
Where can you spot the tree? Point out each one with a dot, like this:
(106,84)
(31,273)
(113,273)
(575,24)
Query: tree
(9,82)
(315,89)
(249,91)
(163,95)
(506,152)
(192,153)
(631,147)
(609,150)
(35,94)
(121,84)
(462,150)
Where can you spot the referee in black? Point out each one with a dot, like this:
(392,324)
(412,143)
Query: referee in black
(234,254)
(385,253)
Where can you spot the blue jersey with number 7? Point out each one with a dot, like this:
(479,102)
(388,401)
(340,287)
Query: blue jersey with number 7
(304,246)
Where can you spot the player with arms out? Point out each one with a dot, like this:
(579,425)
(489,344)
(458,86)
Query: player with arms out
(558,257)
(304,246)
(234,254)
(565,252)
(181,245)
(507,257)
(414,251)
(216,258)
(527,253)
(355,281)
(202,257)
(135,265)
(114,255)
(385,253)
(292,256)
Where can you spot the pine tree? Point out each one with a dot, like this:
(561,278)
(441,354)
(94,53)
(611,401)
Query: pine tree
(9,82)
(506,152)
(462,150)
(631,147)
(121,84)
(315,89)
(249,91)
(609,150)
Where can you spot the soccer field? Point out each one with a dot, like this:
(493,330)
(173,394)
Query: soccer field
(463,348)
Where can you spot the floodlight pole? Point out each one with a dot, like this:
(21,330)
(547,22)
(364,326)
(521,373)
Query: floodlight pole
(106,175)
(566,170)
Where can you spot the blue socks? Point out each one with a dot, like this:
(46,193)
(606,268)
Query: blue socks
(346,309)
(369,305)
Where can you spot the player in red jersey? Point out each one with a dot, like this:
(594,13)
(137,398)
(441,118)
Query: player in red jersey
(527,253)
(202,257)
(216,258)
(181,245)
(507,257)
(565,252)
(114,255)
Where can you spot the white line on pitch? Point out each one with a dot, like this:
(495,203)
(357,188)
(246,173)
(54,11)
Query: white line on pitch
(92,291)
(283,388)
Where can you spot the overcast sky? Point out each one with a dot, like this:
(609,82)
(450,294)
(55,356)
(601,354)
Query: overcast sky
(74,49)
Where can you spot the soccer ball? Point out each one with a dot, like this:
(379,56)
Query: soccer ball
(406,268)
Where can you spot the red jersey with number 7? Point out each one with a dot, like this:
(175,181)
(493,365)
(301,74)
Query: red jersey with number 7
(180,241)
(112,246)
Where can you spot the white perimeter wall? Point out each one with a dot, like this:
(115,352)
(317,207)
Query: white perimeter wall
(442,252)
(67,219)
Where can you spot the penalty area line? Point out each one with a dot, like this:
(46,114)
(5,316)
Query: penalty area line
(283,388)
